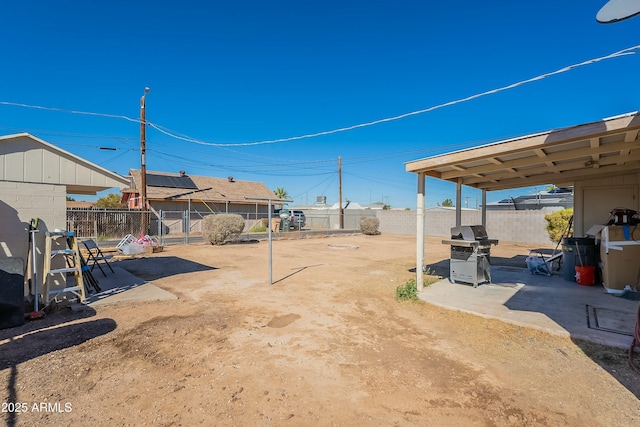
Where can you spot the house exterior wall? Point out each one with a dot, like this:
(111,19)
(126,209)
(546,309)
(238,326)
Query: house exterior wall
(23,159)
(594,199)
(19,203)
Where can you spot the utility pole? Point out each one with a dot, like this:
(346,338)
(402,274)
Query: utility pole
(340,184)
(143,163)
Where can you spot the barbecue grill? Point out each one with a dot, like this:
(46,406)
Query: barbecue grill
(470,260)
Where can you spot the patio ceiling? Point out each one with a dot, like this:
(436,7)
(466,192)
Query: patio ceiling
(561,157)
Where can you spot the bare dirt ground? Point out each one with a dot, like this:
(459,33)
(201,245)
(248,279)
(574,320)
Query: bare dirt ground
(327,344)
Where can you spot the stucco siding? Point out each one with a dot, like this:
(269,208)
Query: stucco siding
(26,159)
(596,198)
(13,166)
(19,203)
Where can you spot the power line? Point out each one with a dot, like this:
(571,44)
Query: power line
(62,110)
(239,169)
(176,135)
(624,52)
(70,134)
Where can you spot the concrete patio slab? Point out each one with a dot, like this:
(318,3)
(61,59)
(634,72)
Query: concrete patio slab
(122,286)
(551,304)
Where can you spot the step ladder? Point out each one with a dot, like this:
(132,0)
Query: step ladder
(62,245)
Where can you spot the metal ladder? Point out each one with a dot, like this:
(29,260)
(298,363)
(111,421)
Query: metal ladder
(67,248)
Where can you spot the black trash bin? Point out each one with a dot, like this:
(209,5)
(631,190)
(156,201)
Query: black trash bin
(588,251)
(11,292)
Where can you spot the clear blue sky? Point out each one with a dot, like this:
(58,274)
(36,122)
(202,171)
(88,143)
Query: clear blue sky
(250,71)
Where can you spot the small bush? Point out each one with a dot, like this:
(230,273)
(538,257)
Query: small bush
(216,229)
(258,229)
(369,225)
(557,223)
(408,291)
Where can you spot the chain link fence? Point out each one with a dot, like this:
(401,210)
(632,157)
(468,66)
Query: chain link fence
(108,227)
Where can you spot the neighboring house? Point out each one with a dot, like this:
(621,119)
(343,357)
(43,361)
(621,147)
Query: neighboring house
(560,198)
(35,178)
(203,194)
(448,208)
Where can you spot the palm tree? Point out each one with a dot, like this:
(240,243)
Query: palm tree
(281,193)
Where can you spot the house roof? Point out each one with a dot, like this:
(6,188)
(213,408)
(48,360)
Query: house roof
(220,190)
(26,158)
(561,157)
(80,205)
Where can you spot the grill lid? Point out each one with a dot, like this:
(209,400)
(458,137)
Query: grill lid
(469,232)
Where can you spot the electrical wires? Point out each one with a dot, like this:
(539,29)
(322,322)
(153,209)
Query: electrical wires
(182,137)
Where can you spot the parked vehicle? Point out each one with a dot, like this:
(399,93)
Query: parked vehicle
(298,220)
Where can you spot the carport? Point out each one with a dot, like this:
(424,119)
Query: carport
(601,160)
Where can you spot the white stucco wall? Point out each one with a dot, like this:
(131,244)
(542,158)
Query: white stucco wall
(19,202)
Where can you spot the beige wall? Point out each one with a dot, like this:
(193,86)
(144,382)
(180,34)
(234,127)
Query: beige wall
(595,199)
(28,159)
(513,226)
(19,202)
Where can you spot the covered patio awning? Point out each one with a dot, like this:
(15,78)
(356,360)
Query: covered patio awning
(559,157)
(600,149)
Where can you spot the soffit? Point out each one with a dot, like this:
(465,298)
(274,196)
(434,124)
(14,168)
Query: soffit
(604,148)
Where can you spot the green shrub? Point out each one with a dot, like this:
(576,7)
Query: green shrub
(408,291)
(258,229)
(557,223)
(216,229)
(369,225)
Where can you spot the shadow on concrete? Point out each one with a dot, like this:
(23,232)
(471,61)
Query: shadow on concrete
(160,267)
(441,268)
(122,286)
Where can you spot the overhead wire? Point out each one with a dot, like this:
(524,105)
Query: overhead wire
(289,163)
(203,164)
(70,134)
(62,110)
(329,178)
(623,52)
(114,158)
(182,137)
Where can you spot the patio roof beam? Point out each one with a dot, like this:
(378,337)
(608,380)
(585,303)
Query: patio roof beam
(563,177)
(624,124)
(557,169)
(631,135)
(615,147)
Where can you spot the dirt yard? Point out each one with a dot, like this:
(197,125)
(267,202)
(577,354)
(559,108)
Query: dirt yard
(326,344)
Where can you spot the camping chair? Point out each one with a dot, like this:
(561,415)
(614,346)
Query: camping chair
(95,255)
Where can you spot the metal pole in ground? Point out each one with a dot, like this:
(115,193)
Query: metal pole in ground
(270,254)
(270,199)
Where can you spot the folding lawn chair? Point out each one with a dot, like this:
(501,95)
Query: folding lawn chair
(90,282)
(95,255)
